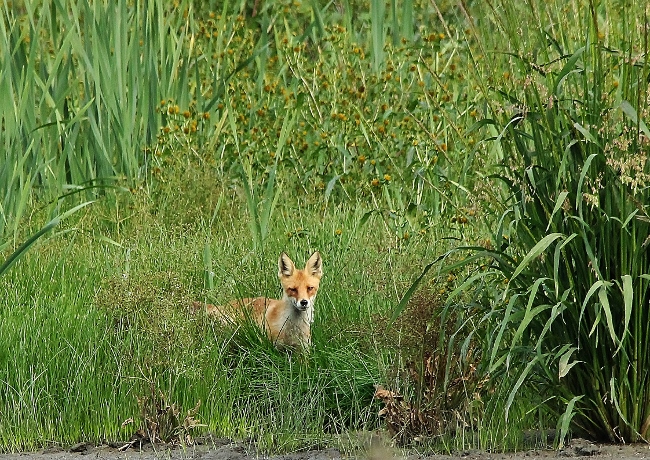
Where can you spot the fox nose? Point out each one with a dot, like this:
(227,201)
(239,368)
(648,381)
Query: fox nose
(304,303)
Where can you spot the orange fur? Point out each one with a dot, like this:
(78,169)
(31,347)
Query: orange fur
(286,321)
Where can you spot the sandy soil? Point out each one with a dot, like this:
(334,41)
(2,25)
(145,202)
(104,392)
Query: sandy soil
(226,450)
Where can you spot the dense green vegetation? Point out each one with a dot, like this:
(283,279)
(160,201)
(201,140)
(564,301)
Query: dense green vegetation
(474,175)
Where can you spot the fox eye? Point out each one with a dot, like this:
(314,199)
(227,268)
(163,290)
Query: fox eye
(310,288)
(292,291)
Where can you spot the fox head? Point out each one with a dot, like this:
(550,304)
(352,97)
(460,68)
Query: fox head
(300,286)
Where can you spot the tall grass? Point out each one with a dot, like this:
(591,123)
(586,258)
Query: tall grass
(571,319)
(88,332)
(67,110)
(83,84)
(88,110)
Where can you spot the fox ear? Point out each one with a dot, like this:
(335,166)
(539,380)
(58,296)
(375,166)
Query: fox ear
(285,265)
(314,265)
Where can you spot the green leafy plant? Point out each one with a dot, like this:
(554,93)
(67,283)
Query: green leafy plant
(572,317)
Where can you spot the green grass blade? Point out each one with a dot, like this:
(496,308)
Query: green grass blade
(530,313)
(558,205)
(522,377)
(412,288)
(628,110)
(564,421)
(270,200)
(539,248)
(628,298)
(18,253)
(563,364)
(495,345)
(604,302)
(377,12)
(568,68)
(585,132)
(251,202)
(207,268)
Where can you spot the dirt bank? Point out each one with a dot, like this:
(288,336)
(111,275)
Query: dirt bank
(226,450)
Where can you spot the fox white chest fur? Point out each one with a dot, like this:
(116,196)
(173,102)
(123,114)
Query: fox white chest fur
(286,321)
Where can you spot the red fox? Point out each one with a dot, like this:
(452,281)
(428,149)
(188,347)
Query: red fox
(287,322)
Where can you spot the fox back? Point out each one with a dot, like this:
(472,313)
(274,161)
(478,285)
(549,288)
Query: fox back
(286,321)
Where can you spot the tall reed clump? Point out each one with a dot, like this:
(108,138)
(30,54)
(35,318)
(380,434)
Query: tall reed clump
(80,84)
(573,317)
